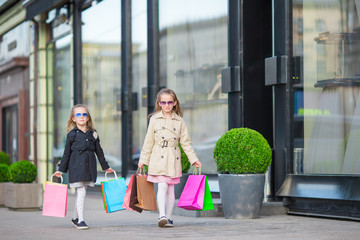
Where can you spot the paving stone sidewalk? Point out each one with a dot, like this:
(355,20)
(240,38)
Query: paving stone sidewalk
(132,225)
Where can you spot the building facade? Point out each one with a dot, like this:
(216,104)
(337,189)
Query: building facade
(287,69)
(14,82)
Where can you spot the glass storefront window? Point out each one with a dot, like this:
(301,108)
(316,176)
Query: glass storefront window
(59,85)
(326,37)
(59,88)
(101,60)
(10,137)
(139,65)
(193,50)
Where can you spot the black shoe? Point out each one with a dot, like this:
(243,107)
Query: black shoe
(170,223)
(74,221)
(82,225)
(162,221)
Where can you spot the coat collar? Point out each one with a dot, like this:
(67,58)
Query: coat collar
(76,129)
(161,115)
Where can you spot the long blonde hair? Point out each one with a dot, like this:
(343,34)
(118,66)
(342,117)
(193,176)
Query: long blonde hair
(177,108)
(71,124)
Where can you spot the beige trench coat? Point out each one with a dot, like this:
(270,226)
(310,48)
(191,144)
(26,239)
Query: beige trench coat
(160,150)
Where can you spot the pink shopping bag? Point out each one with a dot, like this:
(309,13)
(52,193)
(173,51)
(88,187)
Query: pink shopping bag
(192,197)
(55,199)
(128,194)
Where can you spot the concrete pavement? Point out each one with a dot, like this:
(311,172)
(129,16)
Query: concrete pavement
(133,225)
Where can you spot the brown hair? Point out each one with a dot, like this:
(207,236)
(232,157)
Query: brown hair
(177,108)
(71,124)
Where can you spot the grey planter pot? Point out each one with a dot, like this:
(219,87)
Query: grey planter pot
(241,194)
(21,196)
(2,194)
(179,187)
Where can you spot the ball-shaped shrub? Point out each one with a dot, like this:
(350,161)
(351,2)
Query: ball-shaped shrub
(185,164)
(4,158)
(242,151)
(4,176)
(22,172)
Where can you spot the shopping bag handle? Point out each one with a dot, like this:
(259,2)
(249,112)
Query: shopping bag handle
(107,173)
(51,178)
(195,172)
(140,171)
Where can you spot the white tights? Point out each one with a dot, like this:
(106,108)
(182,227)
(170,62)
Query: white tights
(79,203)
(165,199)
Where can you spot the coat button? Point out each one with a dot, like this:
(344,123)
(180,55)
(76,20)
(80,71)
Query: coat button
(162,137)
(162,156)
(174,129)
(174,138)
(175,148)
(87,139)
(177,158)
(163,127)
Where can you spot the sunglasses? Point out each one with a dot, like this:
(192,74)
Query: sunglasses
(163,103)
(83,114)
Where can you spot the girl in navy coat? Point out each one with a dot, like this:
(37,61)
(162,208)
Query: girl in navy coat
(82,142)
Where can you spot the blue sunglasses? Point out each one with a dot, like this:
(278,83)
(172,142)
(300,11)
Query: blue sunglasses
(83,114)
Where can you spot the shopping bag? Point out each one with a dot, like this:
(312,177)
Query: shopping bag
(145,193)
(133,195)
(126,203)
(192,196)
(208,202)
(113,192)
(196,194)
(55,199)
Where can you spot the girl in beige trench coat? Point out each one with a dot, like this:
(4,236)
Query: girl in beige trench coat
(161,153)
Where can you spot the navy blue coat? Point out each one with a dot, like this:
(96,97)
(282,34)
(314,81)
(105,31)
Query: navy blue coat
(79,156)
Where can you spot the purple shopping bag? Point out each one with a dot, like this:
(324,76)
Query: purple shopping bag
(192,197)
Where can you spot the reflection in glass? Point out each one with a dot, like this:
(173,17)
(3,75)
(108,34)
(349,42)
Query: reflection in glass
(330,85)
(193,50)
(101,74)
(59,87)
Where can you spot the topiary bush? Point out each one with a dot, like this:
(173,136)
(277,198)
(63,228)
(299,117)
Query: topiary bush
(185,164)
(4,176)
(22,172)
(242,151)
(4,158)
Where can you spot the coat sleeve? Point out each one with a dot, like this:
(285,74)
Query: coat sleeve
(64,163)
(148,144)
(185,143)
(100,154)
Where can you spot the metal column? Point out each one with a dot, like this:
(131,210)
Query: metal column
(153,54)
(235,58)
(126,87)
(77,51)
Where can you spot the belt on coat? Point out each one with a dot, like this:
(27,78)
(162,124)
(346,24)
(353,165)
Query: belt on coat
(165,143)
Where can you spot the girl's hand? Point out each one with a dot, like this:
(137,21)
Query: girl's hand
(57,174)
(141,165)
(109,170)
(197,164)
